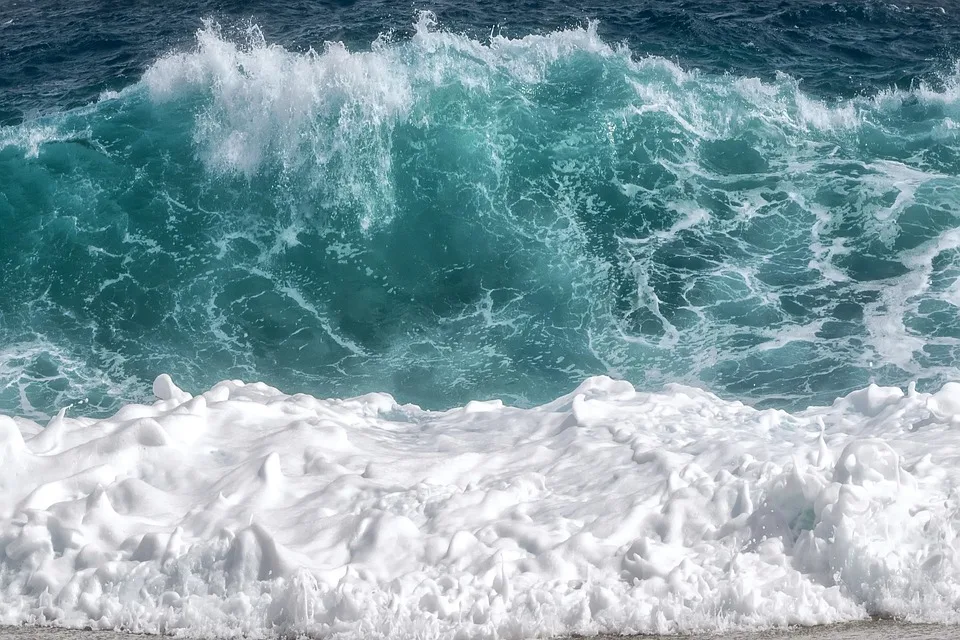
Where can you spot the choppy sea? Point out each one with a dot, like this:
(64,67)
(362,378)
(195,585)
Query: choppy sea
(665,296)
(469,200)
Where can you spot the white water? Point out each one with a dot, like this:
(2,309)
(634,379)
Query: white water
(244,510)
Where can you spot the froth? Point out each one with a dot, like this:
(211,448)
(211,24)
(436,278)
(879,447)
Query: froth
(270,106)
(606,510)
(264,99)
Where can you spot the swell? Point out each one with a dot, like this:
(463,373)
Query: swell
(445,219)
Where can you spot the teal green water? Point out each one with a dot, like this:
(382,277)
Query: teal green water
(447,220)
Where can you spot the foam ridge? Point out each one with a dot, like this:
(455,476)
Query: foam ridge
(246,510)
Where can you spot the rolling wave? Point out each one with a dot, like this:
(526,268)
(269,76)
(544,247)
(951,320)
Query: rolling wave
(447,219)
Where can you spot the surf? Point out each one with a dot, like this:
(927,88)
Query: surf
(244,510)
(448,219)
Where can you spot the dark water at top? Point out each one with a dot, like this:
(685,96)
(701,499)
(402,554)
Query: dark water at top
(57,55)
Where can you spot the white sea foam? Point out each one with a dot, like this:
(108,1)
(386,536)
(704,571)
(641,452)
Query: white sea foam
(245,510)
(270,104)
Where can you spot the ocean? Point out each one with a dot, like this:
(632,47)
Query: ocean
(486,201)
(644,311)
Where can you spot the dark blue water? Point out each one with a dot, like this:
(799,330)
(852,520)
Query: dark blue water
(464,200)
(59,55)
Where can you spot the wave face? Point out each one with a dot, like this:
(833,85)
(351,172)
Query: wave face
(446,220)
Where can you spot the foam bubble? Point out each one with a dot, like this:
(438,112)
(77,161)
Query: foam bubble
(245,510)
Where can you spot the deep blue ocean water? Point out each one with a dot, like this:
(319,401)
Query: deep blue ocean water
(459,200)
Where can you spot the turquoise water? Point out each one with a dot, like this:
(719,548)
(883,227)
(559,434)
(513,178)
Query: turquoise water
(447,217)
